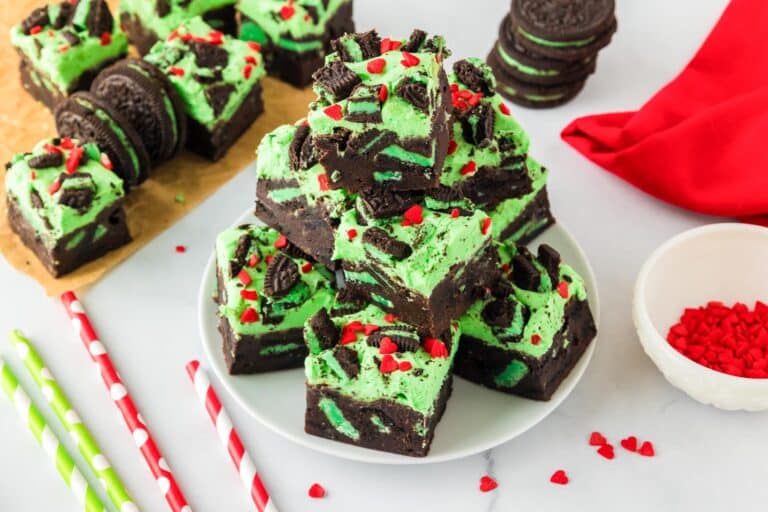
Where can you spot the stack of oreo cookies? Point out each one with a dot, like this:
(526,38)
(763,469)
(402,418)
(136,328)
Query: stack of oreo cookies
(547,49)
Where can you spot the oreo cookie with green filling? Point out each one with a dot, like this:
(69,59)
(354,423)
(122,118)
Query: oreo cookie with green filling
(87,117)
(568,30)
(535,95)
(147,99)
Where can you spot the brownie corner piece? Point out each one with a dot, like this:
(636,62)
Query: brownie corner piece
(266,289)
(426,266)
(63,46)
(374,382)
(529,332)
(65,205)
(218,78)
(295,37)
(380,120)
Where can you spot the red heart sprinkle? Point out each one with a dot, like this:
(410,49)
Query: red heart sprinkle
(253,261)
(106,38)
(535,339)
(51,148)
(646,449)
(389,317)
(487,484)
(322,180)
(562,289)
(73,160)
(67,143)
(409,60)
(347,336)
(33,174)
(405,366)
(249,316)
(253,45)
(54,187)
(64,48)
(281,242)
(369,329)
(181,249)
(629,443)
(249,294)
(105,161)
(437,348)
(452,146)
(504,109)
(468,168)
(597,439)
(388,364)
(455,213)
(414,214)
(355,325)
(387,45)
(485,226)
(307,267)
(383,93)
(176,71)
(387,346)
(35,30)
(316,491)
(247,70)
(269,259)
(287,12)
(376,66)
(606,451)
(334,112)
(351,233)
(559,477)
(250,59)
(244,278)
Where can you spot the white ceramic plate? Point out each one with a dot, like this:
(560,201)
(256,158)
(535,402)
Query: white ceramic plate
(475,420)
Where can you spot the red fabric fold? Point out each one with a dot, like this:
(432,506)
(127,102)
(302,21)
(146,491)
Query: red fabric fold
(702,141)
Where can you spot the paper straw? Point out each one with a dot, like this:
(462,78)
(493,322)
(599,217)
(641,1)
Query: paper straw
(72,423)
(124,403)
(49,441)
(229,438)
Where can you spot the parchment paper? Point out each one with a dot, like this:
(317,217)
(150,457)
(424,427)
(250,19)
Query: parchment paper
(151,208)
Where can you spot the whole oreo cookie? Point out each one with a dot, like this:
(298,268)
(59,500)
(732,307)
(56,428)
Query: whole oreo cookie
(145,97)
(534,95)
(87,117)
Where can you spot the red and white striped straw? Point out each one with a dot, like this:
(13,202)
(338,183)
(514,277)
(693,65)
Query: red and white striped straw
(123,401)
(229,438)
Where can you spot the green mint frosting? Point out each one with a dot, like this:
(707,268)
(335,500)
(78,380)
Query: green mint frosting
(299,29)
(59,64)
(273,164)
(195,84)
(545,306)
(417,388)
(31,190)
(312,292)
(180,11)
(439,244)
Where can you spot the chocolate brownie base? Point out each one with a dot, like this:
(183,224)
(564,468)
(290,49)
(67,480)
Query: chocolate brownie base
(481,363)
(222,19)
(399,435)
(244,355)
(214,144)
(448,301)
(62,260)
(297,68)
(533,220)
(309,228)
(33,84)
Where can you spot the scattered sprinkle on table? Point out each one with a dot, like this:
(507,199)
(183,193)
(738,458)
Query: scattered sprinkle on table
(181,249)
(559,477)
(316,491)
(487,484)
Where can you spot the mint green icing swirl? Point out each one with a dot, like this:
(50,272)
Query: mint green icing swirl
(417,388)
(58,70)
(313,292)
(30,189)
(174,54)
(146,12)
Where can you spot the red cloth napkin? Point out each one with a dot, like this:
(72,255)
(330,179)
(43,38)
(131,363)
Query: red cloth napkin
(702,141)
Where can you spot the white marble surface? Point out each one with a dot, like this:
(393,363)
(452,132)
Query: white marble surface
(145,311)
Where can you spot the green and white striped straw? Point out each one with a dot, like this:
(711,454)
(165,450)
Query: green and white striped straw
(72,423)
(48,440)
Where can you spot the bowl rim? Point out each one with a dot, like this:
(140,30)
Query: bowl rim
(642,317)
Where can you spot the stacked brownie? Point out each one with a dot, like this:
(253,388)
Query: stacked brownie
(415,185)
(547,48)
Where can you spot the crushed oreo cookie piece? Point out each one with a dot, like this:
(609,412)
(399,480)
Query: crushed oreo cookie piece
(37,18)
(70,37)
(323,327)
(213,77)
(445,194)
(302,149)
(407,340)
(500,312)
(380,239)
(209,55)
(525,275)
(293,251)
(241,253)
(336,141)
(46,160)
(65,13)
(281,276)
(347,302)
(473,77)
(163,8)
(347,358)
(477,124)
(218,97)
(551,259)
(415,94)
(371,142)
(370,44)
(99,18)
(383,204)
(415,41)
(501,288)
(337,79)
(35,199)
(79,199)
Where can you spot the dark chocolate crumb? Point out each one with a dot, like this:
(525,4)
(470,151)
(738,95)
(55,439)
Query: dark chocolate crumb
(209,55)
(78,198)
(414,93)
(550,258)
(241,253)
(445,194)
(500,312)
(281,276)
(415,41)
(524,274)
(46,160)
(99,18)
(324,328)
(163,7)
(473,77)
(501,288)
(348,361)
(370,44)
(302,149)
(218,97)
(380,239)
(477,124)
(337,79)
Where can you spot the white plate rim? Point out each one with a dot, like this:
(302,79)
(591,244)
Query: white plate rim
(341,450)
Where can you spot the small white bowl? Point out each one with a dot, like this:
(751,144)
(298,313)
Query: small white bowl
(725,262)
